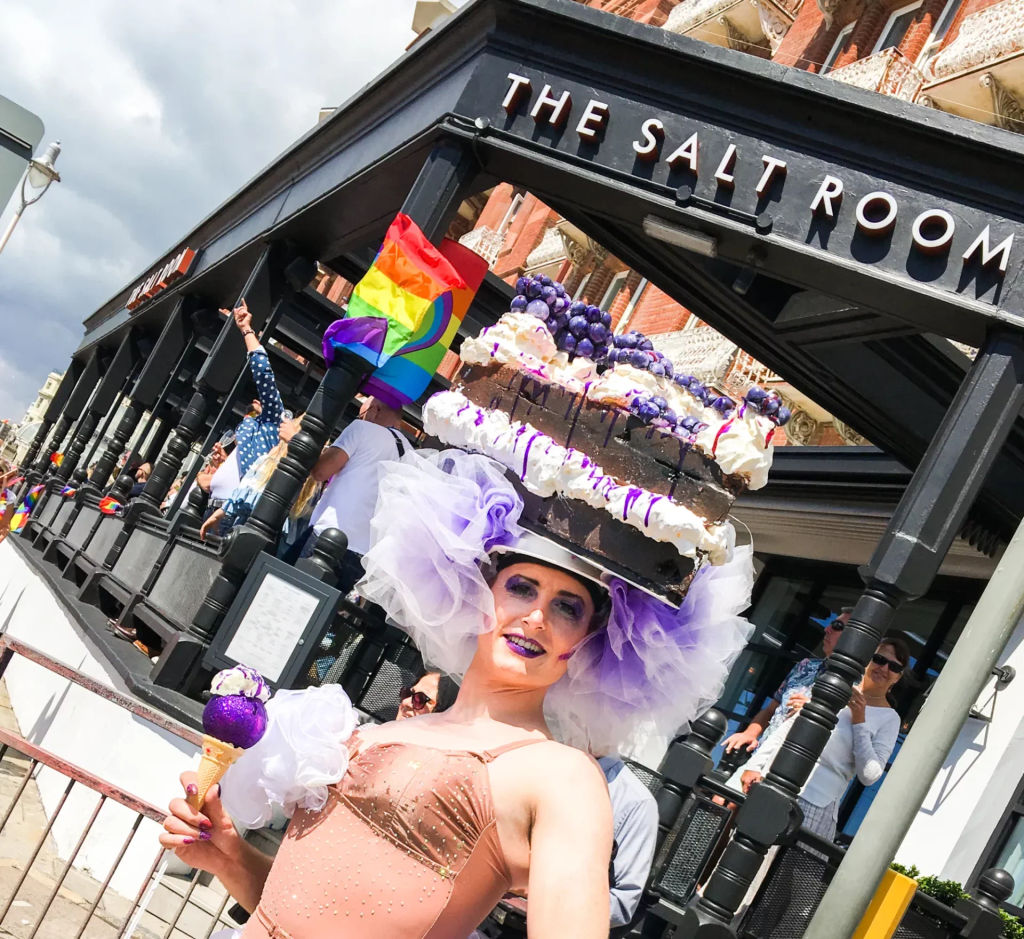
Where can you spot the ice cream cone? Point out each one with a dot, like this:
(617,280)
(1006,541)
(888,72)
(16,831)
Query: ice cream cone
(217,757)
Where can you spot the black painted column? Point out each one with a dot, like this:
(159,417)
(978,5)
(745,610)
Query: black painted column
(114,374)
(159,370)
(431,203)
(930,515)
(226,359)
(56,409)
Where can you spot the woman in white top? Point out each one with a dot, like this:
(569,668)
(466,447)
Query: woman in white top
(860,745)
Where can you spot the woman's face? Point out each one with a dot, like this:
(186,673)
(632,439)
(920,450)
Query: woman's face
(880,678)
(541,615)
(427,685)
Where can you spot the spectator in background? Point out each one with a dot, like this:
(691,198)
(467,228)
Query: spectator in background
(794,692)
(352,465)
(142,473)
(431,692)
(258,433)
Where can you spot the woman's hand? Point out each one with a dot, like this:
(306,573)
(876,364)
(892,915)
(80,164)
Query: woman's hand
(742,740)
(857,705)
(212,521)
(795,702)
(243,318)
(750,777)
(206,839)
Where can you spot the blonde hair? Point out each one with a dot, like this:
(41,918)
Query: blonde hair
(270,464)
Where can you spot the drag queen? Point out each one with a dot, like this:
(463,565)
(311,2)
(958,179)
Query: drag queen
(417,828)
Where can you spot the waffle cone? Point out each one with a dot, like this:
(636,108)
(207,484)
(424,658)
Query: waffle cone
(217,757)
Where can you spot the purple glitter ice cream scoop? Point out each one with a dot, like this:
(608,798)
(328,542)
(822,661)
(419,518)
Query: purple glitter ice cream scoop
(236,713)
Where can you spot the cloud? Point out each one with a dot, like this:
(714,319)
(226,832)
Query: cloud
(163,110)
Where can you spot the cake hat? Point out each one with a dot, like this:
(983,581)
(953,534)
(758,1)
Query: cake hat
(585,449)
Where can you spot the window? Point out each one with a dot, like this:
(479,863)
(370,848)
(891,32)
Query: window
(840,46)
(616,287)
(510,215)
(897,27)
(940,29)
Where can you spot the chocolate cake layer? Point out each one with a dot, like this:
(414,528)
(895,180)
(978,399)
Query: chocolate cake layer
(624,447)
(618,547)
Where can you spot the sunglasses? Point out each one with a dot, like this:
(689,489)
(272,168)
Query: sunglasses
(895,667)
(420,699)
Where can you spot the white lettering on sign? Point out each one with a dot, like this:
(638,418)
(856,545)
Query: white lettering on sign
(559,107)
(594,116)
(988,253)
(771,165)
(932,232)
(176,268)
(653,133)
(724,173)
(518,89)
(830,191)
(686,153)
(870,220)
(937,243)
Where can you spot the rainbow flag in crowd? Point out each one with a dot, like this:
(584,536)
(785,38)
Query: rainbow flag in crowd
(7,496)
(67,492)
(56,458)
(110,506)
(24,510)
(405,311)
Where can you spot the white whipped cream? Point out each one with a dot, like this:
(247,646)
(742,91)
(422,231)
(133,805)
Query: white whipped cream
(518,339)
(741,445)
(240,680)
(547,468)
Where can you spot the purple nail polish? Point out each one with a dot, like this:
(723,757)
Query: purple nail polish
(189,841)
(192,789)
(204,836)
(203,823)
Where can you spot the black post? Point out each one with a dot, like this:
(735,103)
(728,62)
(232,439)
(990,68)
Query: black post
(56,409)
(431,202)
(154,378)
(930,515)
(982,910)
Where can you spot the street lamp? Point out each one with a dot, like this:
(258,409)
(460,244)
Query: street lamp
(38,176)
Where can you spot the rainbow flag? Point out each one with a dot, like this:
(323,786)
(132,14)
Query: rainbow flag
(24,510)
(405,311)
(110,506)
(56,458)
(68,492)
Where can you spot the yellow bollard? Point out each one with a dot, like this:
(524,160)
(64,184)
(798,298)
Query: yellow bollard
(887,907)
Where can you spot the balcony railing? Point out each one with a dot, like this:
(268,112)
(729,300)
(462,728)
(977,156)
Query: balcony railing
(699,351)
(888,72)
(485,242)
(988,36)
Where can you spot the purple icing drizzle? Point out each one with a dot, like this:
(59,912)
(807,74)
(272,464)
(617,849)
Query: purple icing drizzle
(630,499)
(526,453)
(650,505)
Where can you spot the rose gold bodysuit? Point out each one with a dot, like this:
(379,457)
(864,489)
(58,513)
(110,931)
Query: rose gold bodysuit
(405,848)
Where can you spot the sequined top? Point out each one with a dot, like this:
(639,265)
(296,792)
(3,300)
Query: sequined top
(405,848)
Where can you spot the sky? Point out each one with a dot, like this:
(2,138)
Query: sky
(163,111)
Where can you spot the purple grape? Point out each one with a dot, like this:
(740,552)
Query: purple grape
(597,332)
(660,402)
(518,304)
(669,415)
(533,290)
(657,369)
(578,326)
(755,396)
(688,423)
(559,289)
(539,309)
(613,355)
(646,344)
(585,348)
(559,304)
(771,406)
(522,284)
(593,314)
(560,320)
(783,415)
(684,380)
(548,294)
(648,410)
(628,341)
(545,281)
(567,343)
(723,404)
(606,318)
(601,350)
(696,388)
(578,308)
(669,368)
(637,358)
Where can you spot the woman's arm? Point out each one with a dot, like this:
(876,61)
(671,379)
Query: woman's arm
(570,847)
(208,840)
(259,365)
(872,748)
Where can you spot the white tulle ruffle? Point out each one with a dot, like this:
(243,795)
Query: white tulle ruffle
(300,755)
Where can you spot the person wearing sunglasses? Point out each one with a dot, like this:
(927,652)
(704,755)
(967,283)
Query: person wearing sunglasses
(431,693)
(860,745)
(793,693)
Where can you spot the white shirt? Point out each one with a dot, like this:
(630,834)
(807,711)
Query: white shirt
(351,495)
(226,478)
(860,750)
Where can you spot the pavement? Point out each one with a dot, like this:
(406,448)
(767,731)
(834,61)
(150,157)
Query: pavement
(69,908)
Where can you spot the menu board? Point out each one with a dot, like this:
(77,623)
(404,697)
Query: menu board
(272,626)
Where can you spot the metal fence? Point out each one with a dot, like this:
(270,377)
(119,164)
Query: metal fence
(42,892)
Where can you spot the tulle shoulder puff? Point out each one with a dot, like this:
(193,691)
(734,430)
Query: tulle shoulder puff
(300,755)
